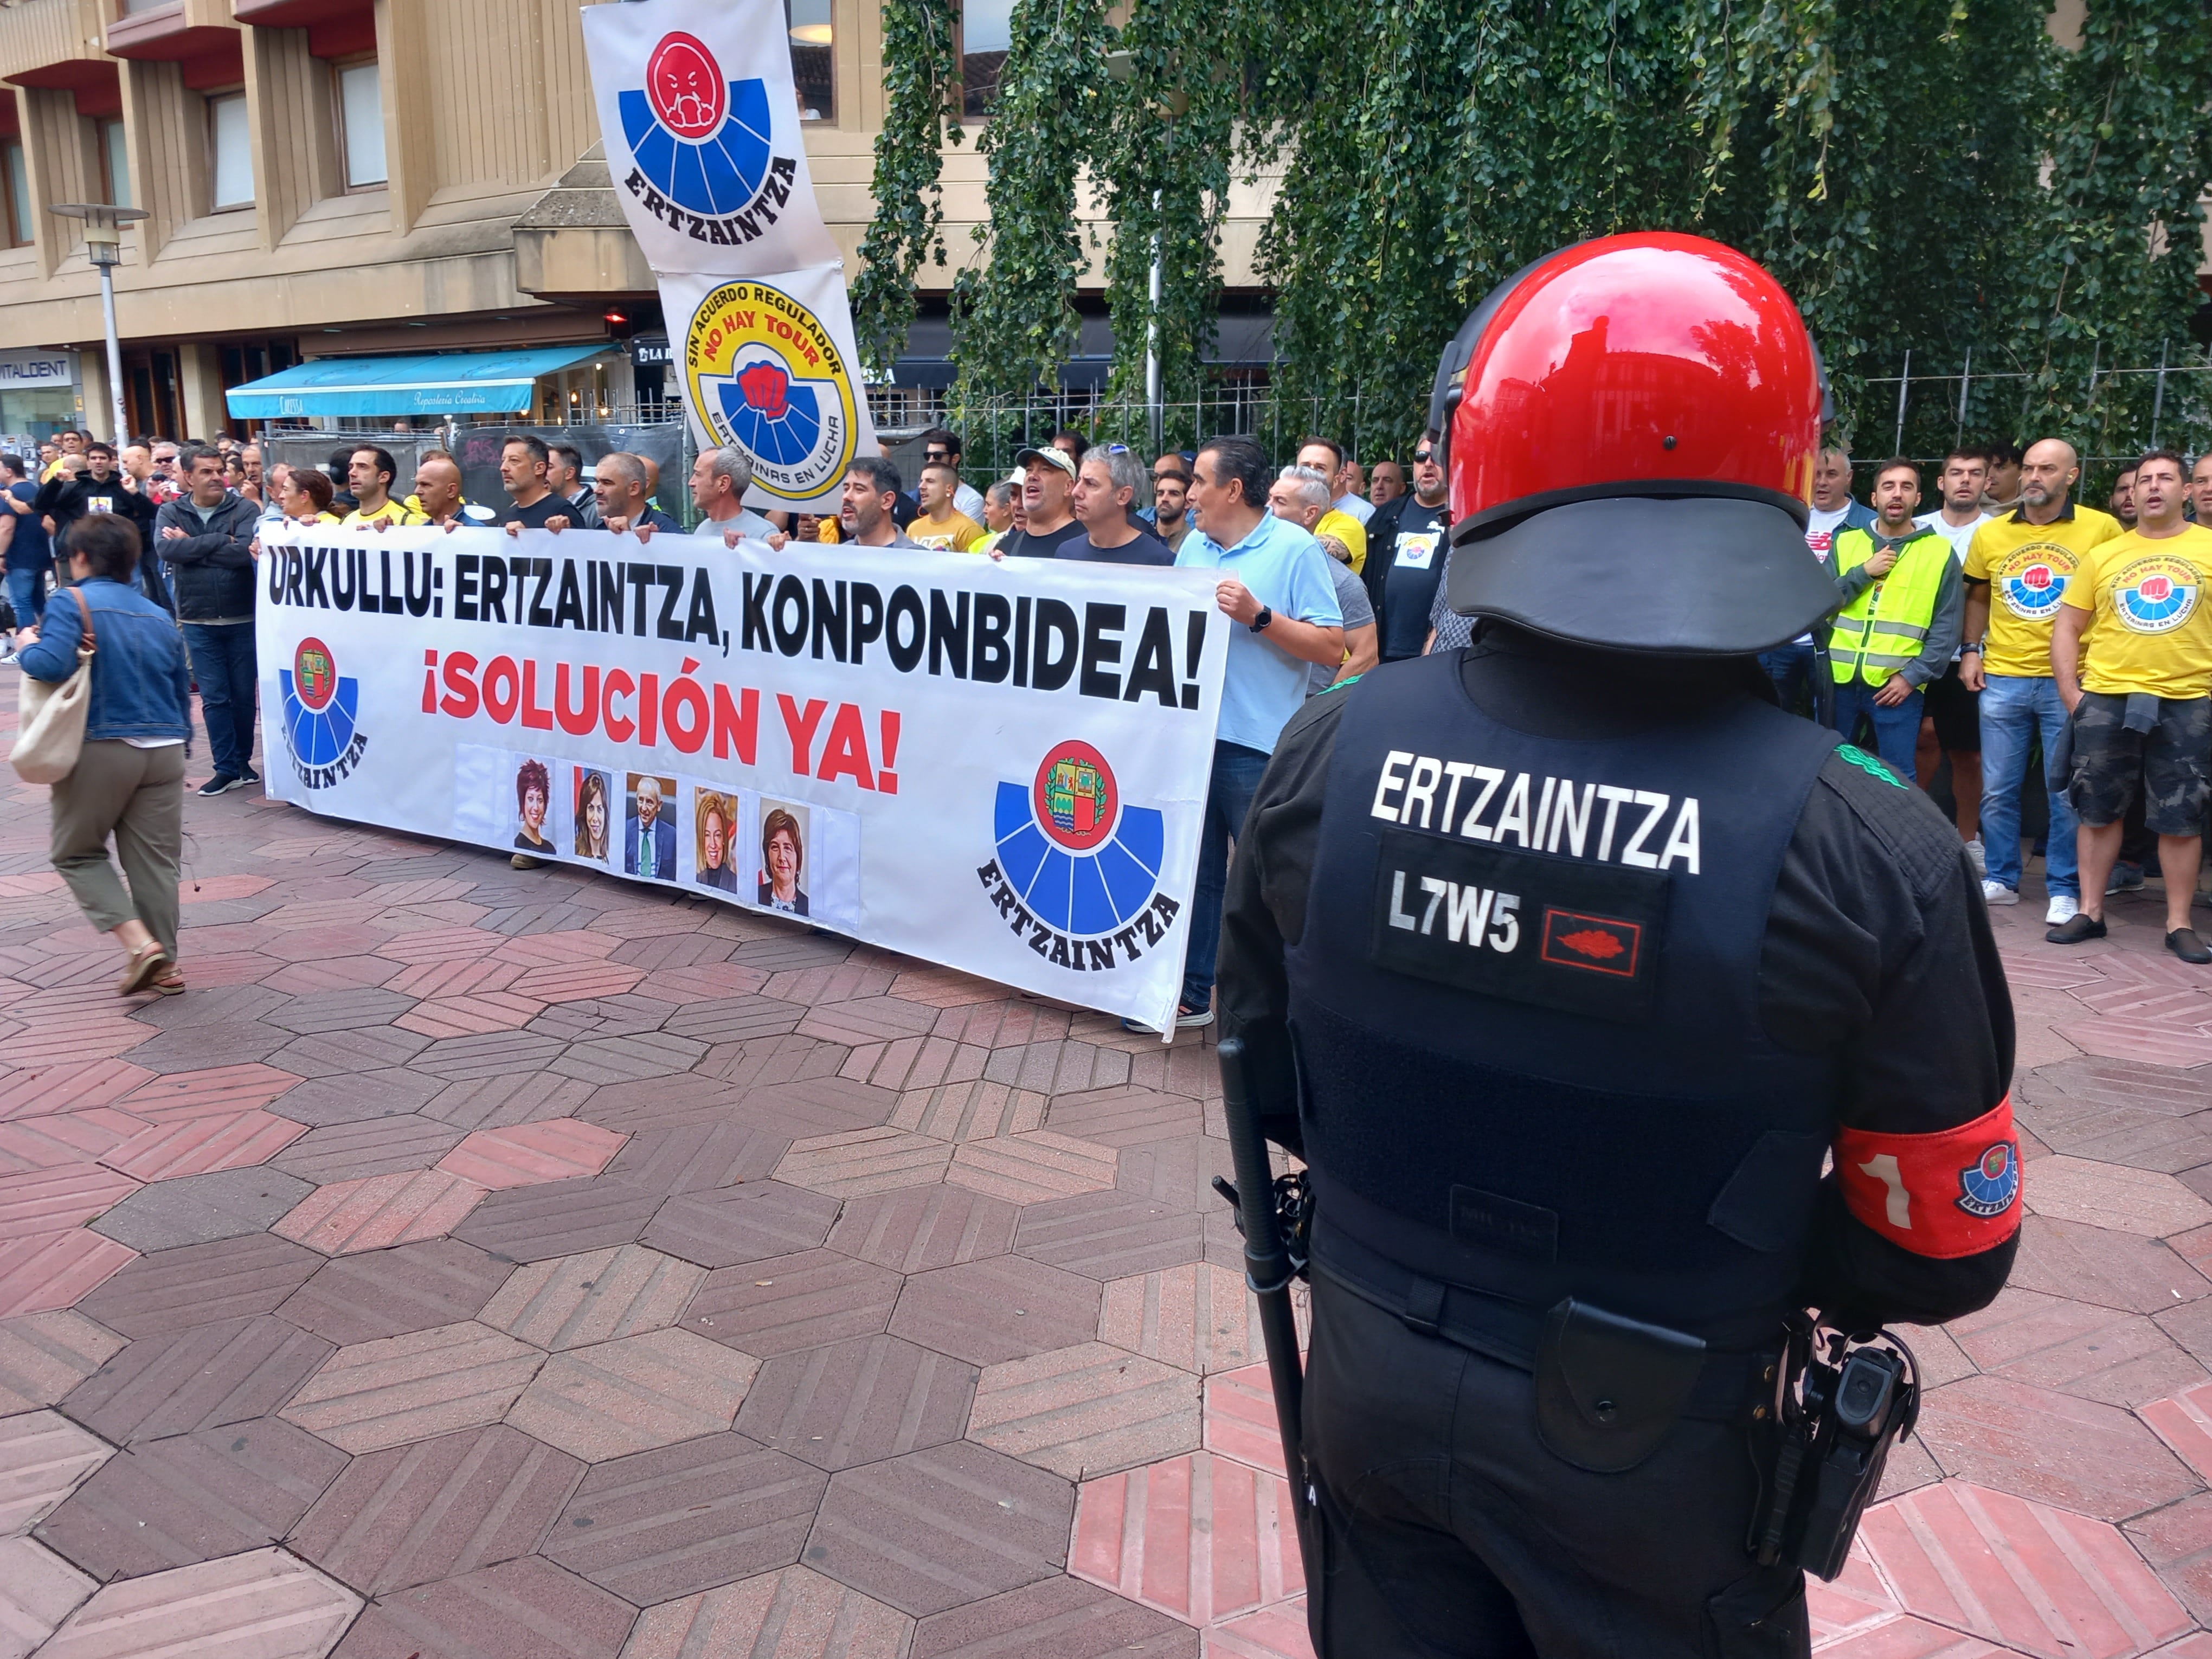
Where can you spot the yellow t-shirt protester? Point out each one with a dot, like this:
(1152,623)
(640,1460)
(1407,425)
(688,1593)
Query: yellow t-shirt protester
(2154,628)
(392,513)
(1348,529)
(2029,568)
(957,530)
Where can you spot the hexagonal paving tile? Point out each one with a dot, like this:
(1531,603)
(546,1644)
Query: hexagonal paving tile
(686,1518)
(864,1160)
(359,1298)
(787,1302)
(528,1154)
(1200,1538)
(2138,1201)
(1085,1411)
(265,1603)
(635,1394)
(43,1271)
(191,1497)
(562,1217)
(731,1225)
(64,1195)
(2033,1442)
(918,1228)
(396,1144)
(999,1309)
(204,1377)
(2034,1578)
(713,1152)
(575,1300)
(1197,1316)
(858,1402)
(43,1356)
(398,1388)
(523,1609)
(381,1211)
(2122,1359)
(1110,1235)
(200,1209)
(43,1456)
(941,1526)
(38,1590)
(436,1508)
(2112,1269)
(1240,1417)
(1031,1167)
(201,1285)
(792,1612)
(1062,1616)
(970,1111)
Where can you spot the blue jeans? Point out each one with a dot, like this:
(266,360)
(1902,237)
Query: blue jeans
(224,664)
(1236,779)
(27,592)
(1791,667)
(1896,731)
(2015,710)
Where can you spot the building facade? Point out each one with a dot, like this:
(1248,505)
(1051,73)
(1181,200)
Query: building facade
(356,178)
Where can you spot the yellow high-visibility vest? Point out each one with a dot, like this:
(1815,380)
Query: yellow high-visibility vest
(1887,626)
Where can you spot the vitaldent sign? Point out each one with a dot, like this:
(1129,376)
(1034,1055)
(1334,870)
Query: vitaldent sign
(37,368)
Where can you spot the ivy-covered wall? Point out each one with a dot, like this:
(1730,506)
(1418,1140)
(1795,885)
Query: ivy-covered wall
(1933,174)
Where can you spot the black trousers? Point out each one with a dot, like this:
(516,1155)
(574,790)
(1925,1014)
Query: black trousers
(1446,1530)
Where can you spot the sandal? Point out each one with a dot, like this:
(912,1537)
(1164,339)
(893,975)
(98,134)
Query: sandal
(171,984)
(146,961)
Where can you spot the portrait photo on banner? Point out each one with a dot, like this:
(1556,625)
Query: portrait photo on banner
(536,807)
(804,860)
(649,826)
(595,818)
(715,822)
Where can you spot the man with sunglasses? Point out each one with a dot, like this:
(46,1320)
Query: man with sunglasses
(1406,555)
(940,446)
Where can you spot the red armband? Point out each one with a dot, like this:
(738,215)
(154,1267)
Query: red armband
(1944,1195)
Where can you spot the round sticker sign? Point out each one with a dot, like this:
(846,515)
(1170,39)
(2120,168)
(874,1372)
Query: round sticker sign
(1076,800)
(685,86)
(314,676)
(763,373)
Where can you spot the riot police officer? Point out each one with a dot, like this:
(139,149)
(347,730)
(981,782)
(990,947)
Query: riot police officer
(1587,959)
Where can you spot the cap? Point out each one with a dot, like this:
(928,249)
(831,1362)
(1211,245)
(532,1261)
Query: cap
(1050,457)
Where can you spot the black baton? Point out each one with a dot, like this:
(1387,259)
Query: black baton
(1267,1269)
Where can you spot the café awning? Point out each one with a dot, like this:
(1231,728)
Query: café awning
(450,383)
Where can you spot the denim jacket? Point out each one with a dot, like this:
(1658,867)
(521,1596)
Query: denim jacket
(140,687)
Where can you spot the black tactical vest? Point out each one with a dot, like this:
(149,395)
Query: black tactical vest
(1526,1008)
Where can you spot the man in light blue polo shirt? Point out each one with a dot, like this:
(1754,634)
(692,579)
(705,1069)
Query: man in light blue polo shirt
(1275,586)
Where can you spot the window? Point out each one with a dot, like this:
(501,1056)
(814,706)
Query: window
(115,156)
(813,43)
(15,186)
(230,152)
(361,123)
(985,32)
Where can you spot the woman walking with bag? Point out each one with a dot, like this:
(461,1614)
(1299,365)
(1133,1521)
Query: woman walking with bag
(110,735)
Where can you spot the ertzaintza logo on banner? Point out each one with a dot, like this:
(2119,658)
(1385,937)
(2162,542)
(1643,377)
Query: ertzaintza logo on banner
(1077,874)
(702,149)
(322,714)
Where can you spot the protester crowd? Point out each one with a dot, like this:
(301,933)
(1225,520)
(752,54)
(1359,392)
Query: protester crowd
(2007,623)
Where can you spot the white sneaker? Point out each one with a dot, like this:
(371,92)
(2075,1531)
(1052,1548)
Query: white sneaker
(1996,892)
(1974,852)
(2064,908)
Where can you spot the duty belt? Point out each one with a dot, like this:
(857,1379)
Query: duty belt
(1512,1331)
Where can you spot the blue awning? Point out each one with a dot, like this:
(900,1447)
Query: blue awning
(452,383)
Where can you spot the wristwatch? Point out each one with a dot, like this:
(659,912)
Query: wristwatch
(1259,624)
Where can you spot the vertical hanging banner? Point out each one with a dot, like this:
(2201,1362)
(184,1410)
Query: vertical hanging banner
(704,146)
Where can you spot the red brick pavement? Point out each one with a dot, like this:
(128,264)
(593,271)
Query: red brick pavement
(484,1262)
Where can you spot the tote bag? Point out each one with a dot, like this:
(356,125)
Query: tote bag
(51,736)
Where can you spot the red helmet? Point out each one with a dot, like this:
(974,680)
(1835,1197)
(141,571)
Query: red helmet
(1630,426)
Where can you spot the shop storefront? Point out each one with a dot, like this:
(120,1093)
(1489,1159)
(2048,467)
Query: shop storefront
(41,394)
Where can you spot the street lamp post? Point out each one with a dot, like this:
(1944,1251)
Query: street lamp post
(103,246)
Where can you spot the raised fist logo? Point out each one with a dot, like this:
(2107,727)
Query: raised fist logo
(766,388)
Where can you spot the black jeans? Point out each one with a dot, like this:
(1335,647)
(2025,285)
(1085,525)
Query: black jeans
(1446,1530)
(224,664)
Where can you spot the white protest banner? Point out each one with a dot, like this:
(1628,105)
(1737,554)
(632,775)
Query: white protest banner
(701,124)
(768,365)
(1001,768)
